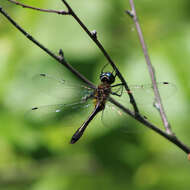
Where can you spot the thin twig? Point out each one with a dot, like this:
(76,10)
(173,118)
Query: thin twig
(158,103)
(93,36)
(146,123)
(39,9)
(107,56)
(59,58)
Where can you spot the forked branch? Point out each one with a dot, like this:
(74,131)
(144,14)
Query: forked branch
(39,9)
(60,58)
(93,36)
(158,102)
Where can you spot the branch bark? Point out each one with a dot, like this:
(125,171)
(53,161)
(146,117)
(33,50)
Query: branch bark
(60,58)
(93,36)
(158,104)
(39,9)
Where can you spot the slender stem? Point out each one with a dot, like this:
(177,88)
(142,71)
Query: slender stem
(38,9)
(93,36)
(146,123)
(135,115)
(60,58)
(158,104)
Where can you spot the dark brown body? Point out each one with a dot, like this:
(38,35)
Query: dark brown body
(100,97)
(101,94)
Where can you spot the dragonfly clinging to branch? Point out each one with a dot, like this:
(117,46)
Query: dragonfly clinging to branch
(99,96)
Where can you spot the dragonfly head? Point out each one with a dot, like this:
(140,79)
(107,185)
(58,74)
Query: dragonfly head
(107,77)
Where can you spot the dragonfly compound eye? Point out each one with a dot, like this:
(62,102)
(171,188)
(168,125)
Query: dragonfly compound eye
(107,77)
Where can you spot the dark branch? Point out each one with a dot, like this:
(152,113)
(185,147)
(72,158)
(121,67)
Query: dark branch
(60,58)
(93,36)
(158,104)
(135,115)
(39,9)
(146,123)
(97,42)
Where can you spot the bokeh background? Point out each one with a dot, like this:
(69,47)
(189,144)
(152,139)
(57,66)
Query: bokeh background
(37,155)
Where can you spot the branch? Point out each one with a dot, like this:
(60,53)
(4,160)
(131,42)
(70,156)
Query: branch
(146,123)
(59,58)
(39,9)
(136,116)
(93,36)
(158,103)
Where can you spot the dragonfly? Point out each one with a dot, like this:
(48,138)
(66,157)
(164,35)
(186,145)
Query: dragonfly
(99,96)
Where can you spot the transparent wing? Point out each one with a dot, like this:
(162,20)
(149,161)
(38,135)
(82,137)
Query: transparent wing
(114,118)
(59,111)
(59,88)
(144,94)
(67,116)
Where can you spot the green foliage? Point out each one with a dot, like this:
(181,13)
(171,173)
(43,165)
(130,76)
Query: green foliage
(37,155)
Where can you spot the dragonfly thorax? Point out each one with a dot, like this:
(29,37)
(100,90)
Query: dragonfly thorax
(101,94)
(107,77)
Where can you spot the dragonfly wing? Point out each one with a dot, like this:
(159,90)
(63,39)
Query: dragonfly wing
(144,94)
(59,88)
(58,111)
(114,118)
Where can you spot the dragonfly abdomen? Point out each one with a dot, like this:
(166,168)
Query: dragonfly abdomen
(100,96)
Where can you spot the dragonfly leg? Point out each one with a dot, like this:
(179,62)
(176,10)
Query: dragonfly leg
(119,92)
(116,94)
(120,84)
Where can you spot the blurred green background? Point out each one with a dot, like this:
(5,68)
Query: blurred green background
(37,155)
